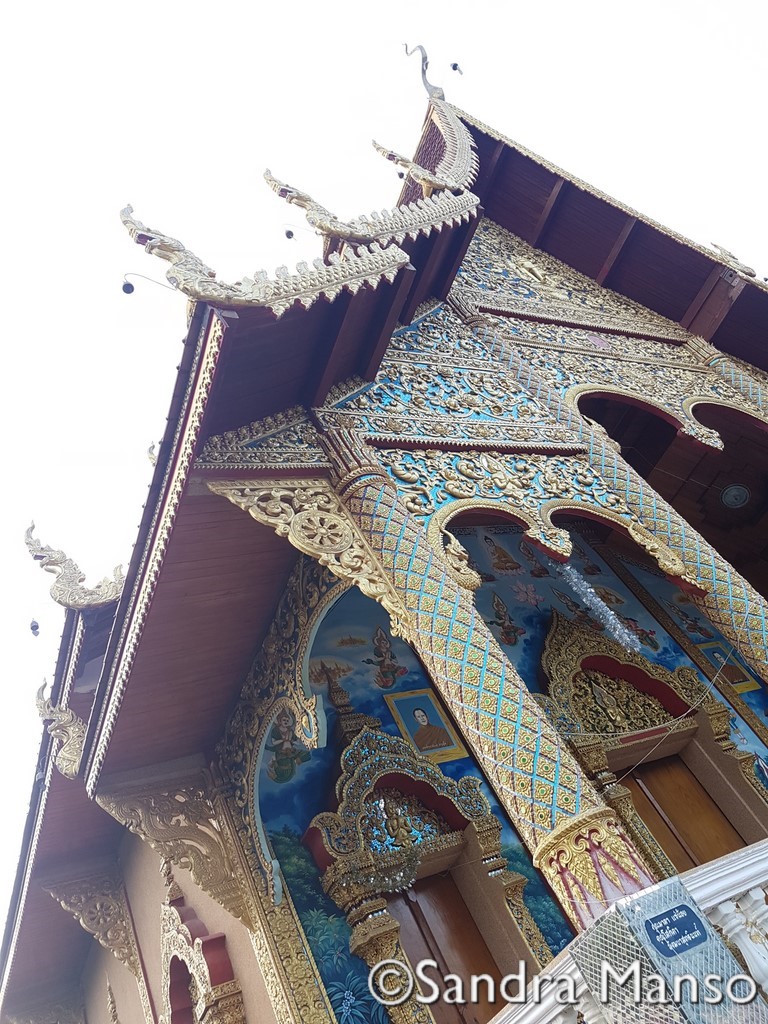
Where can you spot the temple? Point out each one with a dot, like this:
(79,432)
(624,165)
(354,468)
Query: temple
(445,635)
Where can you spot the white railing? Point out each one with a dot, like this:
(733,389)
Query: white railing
(732,891)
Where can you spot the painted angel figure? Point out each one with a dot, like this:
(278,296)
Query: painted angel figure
(580,615)
(287,750)
(385,660)
(645,636)
(509,633)
(538,570)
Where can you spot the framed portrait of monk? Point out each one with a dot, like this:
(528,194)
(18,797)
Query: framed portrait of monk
(727,663)
(424,724)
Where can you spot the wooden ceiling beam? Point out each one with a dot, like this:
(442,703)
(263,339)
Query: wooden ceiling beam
(716,305)
(426,283)
(616,251)
(466,237)
(549,208)
(489,171)
(402,287)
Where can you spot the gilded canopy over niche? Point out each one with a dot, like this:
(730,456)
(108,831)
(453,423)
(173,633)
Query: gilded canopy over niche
(374,755)
(598,686)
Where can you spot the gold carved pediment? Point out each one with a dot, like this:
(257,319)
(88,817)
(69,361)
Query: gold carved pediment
(602,689)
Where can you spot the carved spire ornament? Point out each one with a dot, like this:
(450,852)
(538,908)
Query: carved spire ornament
(68,589)
(114,1017)
(68,729)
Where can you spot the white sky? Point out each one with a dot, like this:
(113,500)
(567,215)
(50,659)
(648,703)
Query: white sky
(177,107)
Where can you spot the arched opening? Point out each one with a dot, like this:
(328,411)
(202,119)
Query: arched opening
(722,493)
(181,993)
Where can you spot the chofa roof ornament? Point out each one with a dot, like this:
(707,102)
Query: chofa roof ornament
(433,91)
(384,227)
(458,167)
(67,589)
(68,729)
(363,265)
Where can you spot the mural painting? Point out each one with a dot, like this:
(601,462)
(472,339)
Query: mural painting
(517,601)
(721,660)
(354,649)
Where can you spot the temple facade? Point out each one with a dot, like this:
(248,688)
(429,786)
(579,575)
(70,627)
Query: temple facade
(445,636)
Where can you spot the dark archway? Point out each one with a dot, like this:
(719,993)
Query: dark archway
(722,493)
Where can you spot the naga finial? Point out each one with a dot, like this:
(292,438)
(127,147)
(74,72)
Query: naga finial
(433,91)
(733,261)
(67,589)
(65,727)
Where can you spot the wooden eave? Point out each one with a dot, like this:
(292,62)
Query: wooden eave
(619,247)
(43,947)
(200,612)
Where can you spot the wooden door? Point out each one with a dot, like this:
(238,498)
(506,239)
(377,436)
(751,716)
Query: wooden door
(435,924)
(684,819)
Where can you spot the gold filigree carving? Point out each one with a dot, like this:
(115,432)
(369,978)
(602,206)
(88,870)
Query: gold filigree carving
(371,755)
(519,286)
(98,902)
(178,819)
(454,405)
(313,518)
(219,1002)
(114,1017)
(376,938)
(68,729)
(581,853)
(514,885)
(288,440)
(505,275)
(610,705)
(350,271)
(67,589)
(381,836)
(681,637)
(457,561)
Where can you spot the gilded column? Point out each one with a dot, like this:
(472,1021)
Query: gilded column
(576,840)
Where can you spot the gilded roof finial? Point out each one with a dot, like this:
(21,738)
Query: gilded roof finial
(68,589)
(433,91)
(458,167)
(733,261)
(65,727)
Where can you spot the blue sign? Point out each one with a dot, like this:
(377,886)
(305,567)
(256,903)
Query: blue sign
(676,931)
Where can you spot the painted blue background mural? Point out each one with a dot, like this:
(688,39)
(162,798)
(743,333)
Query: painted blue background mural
(385,680)
(521,585)
(721,655)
